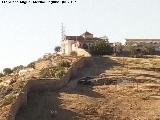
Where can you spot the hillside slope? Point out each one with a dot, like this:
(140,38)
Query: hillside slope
(11,85)
(126,88)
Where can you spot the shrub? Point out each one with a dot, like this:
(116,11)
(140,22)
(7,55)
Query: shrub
(60,73)
(7,71)
(1,74)
(18,86)
(64,64)
(20,67)
(48,72)
(9,98)
(31,65)
(57,49)
(52,72)
(5,90)
(148,49)
(43,73)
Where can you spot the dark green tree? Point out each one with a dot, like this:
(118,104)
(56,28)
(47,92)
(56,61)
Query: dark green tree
(1,74)
(100,48)
(7,71)
(148,49)
(20,67)
(132,49)
(31,65)
(57,49)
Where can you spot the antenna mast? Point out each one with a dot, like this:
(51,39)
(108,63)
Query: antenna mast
(62,31)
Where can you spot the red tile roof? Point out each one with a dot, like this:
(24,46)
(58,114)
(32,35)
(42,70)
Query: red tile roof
(86,33)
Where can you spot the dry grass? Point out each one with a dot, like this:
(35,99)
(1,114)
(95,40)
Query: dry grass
(126,89)
(11,85)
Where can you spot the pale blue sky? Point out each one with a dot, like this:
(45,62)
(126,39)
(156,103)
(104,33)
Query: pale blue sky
(28,31)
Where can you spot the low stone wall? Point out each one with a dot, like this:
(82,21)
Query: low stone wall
(45,84)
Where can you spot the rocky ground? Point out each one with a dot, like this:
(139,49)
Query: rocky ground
(11,85)
(125,89)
